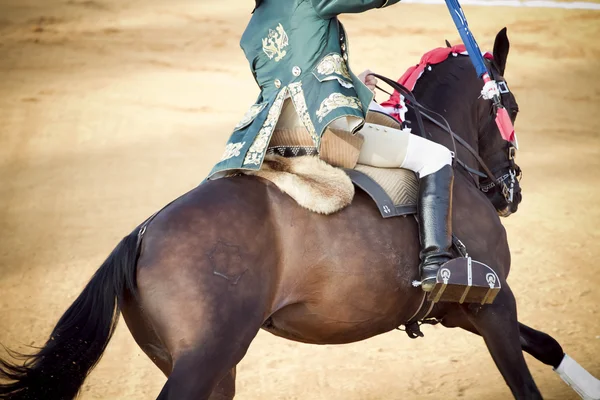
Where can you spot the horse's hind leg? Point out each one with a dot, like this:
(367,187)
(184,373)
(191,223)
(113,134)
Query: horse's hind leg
(225,390)
(144,334)
(547,350)
(540,345)
(498,325)
(206,321)
(150,343)
(204,373)
(208,338)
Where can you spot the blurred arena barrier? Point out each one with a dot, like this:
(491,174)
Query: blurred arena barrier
(574,5)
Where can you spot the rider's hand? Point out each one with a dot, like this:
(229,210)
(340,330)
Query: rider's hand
(369,80)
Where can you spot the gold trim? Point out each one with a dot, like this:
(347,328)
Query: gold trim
(256,151)
(439,294)
(464,295)
(232,150)
(345,40)
(252,112)
(335,101)
(275,42)
(299,100)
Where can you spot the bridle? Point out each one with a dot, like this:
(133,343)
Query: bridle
(514,173)
(506,188)
(506,182)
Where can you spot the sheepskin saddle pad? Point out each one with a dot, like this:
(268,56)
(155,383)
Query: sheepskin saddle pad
(324,189)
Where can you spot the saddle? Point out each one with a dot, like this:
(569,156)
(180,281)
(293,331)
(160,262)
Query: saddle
(393,190)
(325,181)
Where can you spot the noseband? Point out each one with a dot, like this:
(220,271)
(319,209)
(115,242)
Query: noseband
(506,188)
(507,181)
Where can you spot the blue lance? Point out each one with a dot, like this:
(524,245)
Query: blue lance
(490,88)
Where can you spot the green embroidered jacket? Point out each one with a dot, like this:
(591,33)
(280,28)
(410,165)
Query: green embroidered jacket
(297,49)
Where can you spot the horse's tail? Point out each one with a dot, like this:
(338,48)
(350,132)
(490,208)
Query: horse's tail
(57,370)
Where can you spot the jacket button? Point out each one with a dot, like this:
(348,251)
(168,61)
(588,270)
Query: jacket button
(343,47)
(296,71)
(345,57)
(277,83)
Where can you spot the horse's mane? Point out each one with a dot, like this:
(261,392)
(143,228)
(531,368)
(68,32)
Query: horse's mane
(444,74)
(455,74)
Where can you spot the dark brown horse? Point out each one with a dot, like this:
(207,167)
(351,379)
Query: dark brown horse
(236,255)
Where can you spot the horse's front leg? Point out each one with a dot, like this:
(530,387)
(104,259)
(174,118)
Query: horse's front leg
(497,324)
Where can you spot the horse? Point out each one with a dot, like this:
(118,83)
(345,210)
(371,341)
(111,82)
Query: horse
(197,282)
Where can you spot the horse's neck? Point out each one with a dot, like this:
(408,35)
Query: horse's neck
(451,91)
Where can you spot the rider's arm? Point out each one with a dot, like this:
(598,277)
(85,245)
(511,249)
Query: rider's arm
(331,8)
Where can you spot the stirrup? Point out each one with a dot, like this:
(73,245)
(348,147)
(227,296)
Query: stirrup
(464,280)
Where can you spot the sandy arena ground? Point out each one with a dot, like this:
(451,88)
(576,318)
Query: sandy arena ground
(110,109)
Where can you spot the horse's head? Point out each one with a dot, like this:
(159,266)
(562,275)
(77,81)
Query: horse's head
(497,153)
(449,93)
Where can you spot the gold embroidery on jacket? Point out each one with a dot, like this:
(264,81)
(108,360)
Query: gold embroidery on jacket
(337,100)
(345,84)
(333,64)
(275,42)
(256,152)
(250,115)
(232,150)
(301,108)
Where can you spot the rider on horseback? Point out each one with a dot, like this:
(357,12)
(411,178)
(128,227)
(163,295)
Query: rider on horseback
(298,54)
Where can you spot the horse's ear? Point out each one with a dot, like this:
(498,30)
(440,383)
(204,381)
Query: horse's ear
(448,44)
(501,47)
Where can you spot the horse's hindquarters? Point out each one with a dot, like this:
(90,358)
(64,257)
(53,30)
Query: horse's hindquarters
(208,268)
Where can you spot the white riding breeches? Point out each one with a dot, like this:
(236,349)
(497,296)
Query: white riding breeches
(393,148)
(384,147)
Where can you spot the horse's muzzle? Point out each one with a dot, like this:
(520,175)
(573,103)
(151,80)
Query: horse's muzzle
(510,208)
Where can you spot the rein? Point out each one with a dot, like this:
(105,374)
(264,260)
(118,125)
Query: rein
(423,111)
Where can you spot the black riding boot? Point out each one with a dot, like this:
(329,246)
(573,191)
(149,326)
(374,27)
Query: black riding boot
(435,223)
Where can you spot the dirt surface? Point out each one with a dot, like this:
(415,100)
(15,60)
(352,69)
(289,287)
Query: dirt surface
(109,109)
